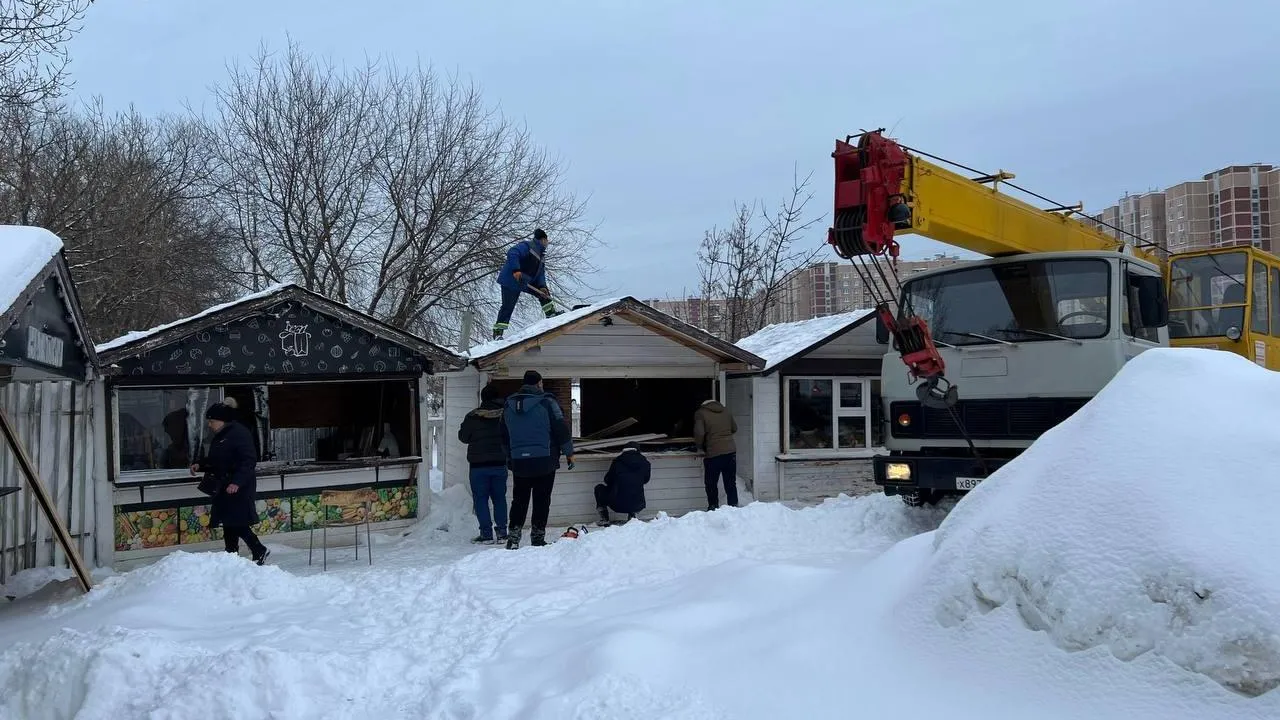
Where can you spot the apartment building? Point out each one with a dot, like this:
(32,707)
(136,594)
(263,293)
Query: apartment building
(831,288)
(1227,207)
(695,311)
(818,290)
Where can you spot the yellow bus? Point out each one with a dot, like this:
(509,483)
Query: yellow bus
(1227,299)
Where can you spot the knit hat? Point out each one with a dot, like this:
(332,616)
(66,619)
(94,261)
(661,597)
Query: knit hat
(488,393)
(531,377)
(539,234)
(220,411)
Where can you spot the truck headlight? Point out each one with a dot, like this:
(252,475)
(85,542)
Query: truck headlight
(897,471)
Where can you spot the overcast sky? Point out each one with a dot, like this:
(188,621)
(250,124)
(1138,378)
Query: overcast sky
(668,113)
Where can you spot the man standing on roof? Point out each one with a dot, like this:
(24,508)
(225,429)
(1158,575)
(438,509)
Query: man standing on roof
(524,272)
(534,429)
(713,430)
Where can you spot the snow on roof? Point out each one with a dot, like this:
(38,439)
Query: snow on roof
(24,252)
(137,335)
(778,343)
(1136,526)
(531,331)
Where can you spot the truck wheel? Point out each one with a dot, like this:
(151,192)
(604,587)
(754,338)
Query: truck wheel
(920,498)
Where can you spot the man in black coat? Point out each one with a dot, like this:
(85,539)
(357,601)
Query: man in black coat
(623,488)
(481,430)
(232,463)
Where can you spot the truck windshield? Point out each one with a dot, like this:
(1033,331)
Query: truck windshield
(1032,301)
(1207,294)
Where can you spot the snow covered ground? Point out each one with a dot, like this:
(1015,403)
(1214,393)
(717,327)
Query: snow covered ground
(1123,568)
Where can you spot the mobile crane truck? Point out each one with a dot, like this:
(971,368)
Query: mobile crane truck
(996,351)
(999,351)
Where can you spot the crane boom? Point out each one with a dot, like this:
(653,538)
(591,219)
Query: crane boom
(901,193)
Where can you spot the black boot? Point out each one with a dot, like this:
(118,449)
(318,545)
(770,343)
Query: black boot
(537,536)
(513,537)
(604,517)
(497,334)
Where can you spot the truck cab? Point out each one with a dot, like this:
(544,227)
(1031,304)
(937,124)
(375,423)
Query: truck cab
(1027,340)
(1227,299)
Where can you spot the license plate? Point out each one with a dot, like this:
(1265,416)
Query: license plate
(967,483)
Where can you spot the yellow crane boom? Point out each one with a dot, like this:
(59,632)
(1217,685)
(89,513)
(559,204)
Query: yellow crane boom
(967,212)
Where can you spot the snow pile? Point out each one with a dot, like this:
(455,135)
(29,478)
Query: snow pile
(666,547)
(514,336)
(450,510)
(1145,524)
(31,580)
(26,251)
(136,335)
(778,343)
(221,580)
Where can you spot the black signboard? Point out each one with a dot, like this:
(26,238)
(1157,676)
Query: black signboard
(43,336)
(290,339)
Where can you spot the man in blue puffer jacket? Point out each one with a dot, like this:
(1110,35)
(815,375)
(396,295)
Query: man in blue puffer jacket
(534,428)
(524,272)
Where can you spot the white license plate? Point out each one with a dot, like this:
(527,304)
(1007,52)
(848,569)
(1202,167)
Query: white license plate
(967,483)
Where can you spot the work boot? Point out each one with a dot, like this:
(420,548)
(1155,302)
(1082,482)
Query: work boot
(604,517)
(513,537)
(497,334)
(481,540)
(537,536)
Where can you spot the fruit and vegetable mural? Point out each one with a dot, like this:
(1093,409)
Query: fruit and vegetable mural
(189,524)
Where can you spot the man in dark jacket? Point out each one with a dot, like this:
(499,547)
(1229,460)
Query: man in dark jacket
(713,430)
(481,430)
(623,487)
(534,428)
(524,272)
(232,462)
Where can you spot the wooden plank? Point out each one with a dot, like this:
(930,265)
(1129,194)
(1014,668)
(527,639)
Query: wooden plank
(615,442)
(46,504)
(616,427)
(31,521)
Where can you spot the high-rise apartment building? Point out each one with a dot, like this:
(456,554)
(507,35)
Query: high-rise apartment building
(1227,207)
(818,290)
(831,288)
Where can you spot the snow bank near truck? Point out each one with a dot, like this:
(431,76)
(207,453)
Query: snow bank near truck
(1145,524)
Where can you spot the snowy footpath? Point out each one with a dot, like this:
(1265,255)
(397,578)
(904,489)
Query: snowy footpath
(1123,568)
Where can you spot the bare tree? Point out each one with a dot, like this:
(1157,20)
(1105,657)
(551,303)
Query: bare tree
(395,191)
(746,266)
(122,192)
(33,48)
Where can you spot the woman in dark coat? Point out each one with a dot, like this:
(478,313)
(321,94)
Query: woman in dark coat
(232,462)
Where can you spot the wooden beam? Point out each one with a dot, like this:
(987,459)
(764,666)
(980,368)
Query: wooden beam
(614,442)
(616,427)
(46,503)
